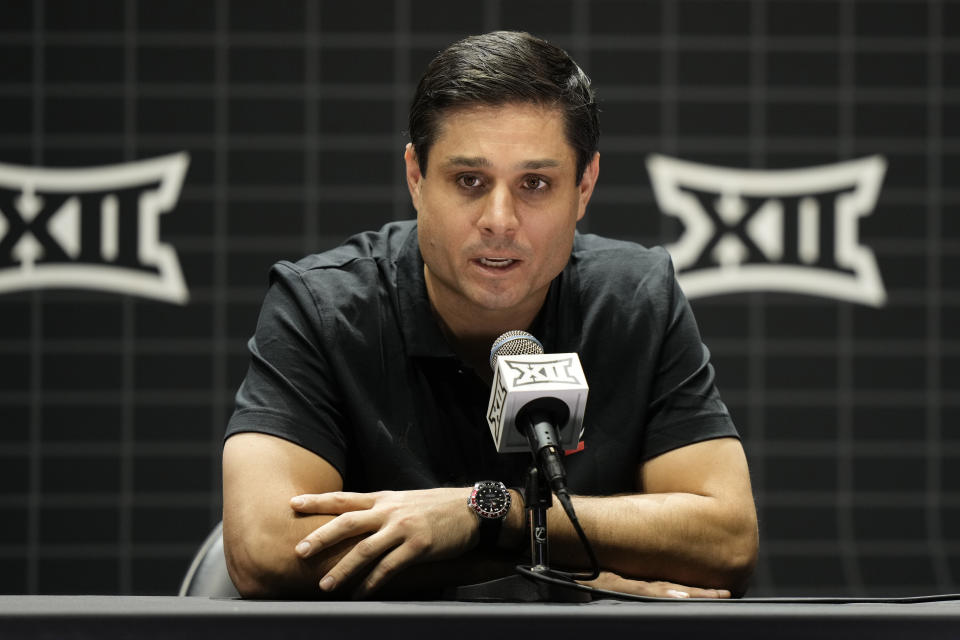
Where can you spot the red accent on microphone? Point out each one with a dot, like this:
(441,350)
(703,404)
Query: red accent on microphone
(580,447)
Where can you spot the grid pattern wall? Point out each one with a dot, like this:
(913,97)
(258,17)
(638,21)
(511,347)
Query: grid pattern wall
(112,407)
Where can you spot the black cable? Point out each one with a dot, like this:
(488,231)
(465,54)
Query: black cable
(567,504)
(567,578)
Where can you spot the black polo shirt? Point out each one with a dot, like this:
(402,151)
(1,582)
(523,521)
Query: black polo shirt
(349,362)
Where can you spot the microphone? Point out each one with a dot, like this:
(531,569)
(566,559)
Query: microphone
(536,402)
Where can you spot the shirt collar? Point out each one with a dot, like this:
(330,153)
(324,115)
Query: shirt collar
(556,325)
(420,329)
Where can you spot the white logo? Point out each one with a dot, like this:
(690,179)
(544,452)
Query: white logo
(91,228)
(556,371)
(793,230)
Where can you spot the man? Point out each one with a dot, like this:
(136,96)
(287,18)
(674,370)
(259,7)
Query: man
(360,429)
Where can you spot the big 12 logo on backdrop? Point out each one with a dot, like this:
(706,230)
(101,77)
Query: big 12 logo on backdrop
(91,228)
(791,230)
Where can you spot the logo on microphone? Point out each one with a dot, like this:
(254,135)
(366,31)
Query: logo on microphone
(792,230)
(496,406)
(91,228)
(556,371)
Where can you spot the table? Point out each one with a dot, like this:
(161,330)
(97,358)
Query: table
(107,617)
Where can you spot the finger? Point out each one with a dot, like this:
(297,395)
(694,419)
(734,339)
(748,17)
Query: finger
(653,589)
(332,503)
(679,591)
(388,566)
(347,525)
(363,554)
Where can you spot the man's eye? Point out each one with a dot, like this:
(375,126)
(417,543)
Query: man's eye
(535,183)
(469,181)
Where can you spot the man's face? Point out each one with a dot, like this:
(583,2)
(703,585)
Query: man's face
(497,208)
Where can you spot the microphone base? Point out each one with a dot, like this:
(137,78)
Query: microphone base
(520,587)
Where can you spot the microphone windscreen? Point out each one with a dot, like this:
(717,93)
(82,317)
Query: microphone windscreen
(514,343)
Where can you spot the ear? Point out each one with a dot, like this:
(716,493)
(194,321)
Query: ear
(591,174)
(414,177)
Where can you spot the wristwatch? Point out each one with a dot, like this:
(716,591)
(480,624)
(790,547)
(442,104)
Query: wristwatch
(490,500)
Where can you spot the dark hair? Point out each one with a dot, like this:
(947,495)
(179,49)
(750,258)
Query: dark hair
(499,68)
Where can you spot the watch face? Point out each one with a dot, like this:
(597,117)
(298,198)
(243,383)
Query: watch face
(490,499)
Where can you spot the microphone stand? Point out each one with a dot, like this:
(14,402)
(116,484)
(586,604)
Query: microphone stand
(538,498)
(521,587)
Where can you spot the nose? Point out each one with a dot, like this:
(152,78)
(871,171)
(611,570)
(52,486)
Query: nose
(499,215)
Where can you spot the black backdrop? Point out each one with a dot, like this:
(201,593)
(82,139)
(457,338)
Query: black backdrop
(112,406)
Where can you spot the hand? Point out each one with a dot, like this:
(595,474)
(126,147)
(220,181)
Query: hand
(401,528)
(658,589)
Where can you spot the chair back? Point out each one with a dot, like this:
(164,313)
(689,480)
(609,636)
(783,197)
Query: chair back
(207,575)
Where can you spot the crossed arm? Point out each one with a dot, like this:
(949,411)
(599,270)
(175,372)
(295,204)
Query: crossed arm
(290,530)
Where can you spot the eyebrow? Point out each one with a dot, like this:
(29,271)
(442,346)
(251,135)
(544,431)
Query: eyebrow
(545,163)
(467,161)
(482,163)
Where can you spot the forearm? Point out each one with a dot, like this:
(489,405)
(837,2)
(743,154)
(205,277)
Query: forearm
(679,537)
(264,559)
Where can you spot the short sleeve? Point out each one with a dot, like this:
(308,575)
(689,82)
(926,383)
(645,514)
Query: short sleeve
(290,390)
(685,405)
